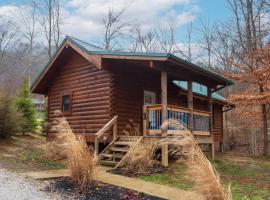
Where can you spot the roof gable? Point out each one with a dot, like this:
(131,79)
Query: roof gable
(95,55)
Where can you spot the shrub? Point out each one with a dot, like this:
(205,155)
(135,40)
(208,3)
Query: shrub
(25,106)
(80,159)
(9,117)
(141,156)
(199,168)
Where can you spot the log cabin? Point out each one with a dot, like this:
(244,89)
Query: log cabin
(106,93)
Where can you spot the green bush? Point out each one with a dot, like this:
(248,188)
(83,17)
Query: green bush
(9,117)
(25,106)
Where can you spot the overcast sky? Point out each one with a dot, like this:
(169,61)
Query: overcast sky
(83,18)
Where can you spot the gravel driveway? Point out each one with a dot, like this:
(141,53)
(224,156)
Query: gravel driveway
(13,186)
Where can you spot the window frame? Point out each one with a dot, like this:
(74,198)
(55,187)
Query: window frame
(70,94)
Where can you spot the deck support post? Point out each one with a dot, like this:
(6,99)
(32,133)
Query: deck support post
(164,105)
(210,110)
(190,106)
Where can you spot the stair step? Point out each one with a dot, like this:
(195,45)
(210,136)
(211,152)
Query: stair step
(124,143)
(129,138)
(118,149)
(108,162)
(111,155)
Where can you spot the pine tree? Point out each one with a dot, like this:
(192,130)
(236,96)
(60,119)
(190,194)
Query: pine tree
(25,106)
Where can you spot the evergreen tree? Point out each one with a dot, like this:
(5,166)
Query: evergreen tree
(25,106)
(9,117)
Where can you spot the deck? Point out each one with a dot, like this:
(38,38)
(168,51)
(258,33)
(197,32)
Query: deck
(115,152)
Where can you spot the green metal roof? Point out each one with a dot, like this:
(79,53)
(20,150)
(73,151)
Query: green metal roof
(92,49)
(198,89)
(99,51)
(84,45)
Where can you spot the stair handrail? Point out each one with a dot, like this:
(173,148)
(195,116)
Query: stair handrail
(104,129)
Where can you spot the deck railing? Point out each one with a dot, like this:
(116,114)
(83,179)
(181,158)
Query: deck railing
(112,124)
(153,119)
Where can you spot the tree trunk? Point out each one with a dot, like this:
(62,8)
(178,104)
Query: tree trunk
(265,126)
(265,130)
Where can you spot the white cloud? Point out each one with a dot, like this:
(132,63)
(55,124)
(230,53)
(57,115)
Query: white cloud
(83,18)
(7,10)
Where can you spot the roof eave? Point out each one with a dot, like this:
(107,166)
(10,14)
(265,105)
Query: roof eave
(226,82)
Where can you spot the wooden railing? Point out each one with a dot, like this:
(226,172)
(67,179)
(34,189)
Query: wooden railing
(153,119)
(111,124)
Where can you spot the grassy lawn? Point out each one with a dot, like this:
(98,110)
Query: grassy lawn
(26,153)
(249,176)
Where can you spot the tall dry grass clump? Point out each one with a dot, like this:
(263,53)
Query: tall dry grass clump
(80,159)
(140,157)
(199,168)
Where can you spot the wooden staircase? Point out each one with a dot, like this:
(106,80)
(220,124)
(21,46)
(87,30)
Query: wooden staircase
(115,153)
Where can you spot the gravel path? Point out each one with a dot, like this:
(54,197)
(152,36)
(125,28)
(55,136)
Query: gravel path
(13,186)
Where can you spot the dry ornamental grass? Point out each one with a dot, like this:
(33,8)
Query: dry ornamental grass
(80,159)
(183,145)
(141,156)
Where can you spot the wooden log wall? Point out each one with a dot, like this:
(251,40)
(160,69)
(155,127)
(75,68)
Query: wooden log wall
(91,95)
(98,95)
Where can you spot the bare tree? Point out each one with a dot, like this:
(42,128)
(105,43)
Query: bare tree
(50,20)
(189,32)
(165,33)
(207,41)
(56,22)
(114,27)
(27,16)
(8,33)
(143,42)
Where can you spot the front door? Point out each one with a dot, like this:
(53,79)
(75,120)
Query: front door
(149,98)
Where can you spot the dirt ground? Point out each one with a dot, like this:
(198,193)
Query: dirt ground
(22,153)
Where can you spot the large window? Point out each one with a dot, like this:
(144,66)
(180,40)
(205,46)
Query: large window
(201,123)
(66,103)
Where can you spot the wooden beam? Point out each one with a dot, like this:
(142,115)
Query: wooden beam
(164,105)
(210,110)
(164,102)
(190,106)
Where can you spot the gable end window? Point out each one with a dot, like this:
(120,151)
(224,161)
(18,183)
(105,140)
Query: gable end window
(66,103)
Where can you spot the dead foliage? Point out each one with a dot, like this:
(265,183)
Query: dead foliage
(199,168)
(140,157)
(80,159)
(132,128)
(54,150)
(183,146)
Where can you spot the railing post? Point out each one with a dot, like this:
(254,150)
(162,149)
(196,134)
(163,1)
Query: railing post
(115,130)
(96,146)
(145,120)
